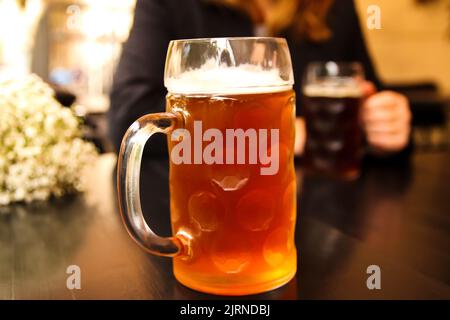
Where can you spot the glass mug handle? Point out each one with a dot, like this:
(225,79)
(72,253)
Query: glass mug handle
(128,171)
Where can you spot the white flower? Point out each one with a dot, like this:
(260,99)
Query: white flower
(41,150)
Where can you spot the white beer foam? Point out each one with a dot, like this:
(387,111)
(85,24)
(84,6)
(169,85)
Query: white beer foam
(212,79)
(329,91)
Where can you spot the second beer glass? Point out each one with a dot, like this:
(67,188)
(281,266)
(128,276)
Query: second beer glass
(331,106)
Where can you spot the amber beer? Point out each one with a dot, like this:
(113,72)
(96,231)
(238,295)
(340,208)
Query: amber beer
(240,224)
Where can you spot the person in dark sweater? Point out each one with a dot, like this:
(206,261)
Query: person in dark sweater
(316,30)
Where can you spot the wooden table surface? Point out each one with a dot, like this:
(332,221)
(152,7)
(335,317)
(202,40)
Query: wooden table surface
(394,216)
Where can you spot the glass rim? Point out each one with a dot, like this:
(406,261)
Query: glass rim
(246,38)
(223,44)
(320,63)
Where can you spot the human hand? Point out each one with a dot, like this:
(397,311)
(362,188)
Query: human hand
(300,136)
(386,118)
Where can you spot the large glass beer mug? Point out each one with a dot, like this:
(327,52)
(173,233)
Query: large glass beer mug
(230,125)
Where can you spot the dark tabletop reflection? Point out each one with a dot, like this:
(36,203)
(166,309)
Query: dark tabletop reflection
(350,205)
(396,215)
(331,213)
(335,219)
(32,238)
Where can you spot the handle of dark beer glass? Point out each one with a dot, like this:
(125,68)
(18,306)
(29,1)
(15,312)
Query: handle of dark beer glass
(128,171)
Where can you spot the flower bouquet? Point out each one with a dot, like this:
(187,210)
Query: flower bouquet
(42,153)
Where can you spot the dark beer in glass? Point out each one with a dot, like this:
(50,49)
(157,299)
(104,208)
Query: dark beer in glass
(331,107)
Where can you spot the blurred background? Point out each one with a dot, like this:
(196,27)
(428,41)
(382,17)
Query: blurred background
(396,214)
(75,46)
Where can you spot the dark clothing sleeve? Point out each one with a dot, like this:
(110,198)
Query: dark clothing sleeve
(138,86)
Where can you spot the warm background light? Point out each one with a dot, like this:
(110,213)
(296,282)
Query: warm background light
(414,42)
(18,26)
